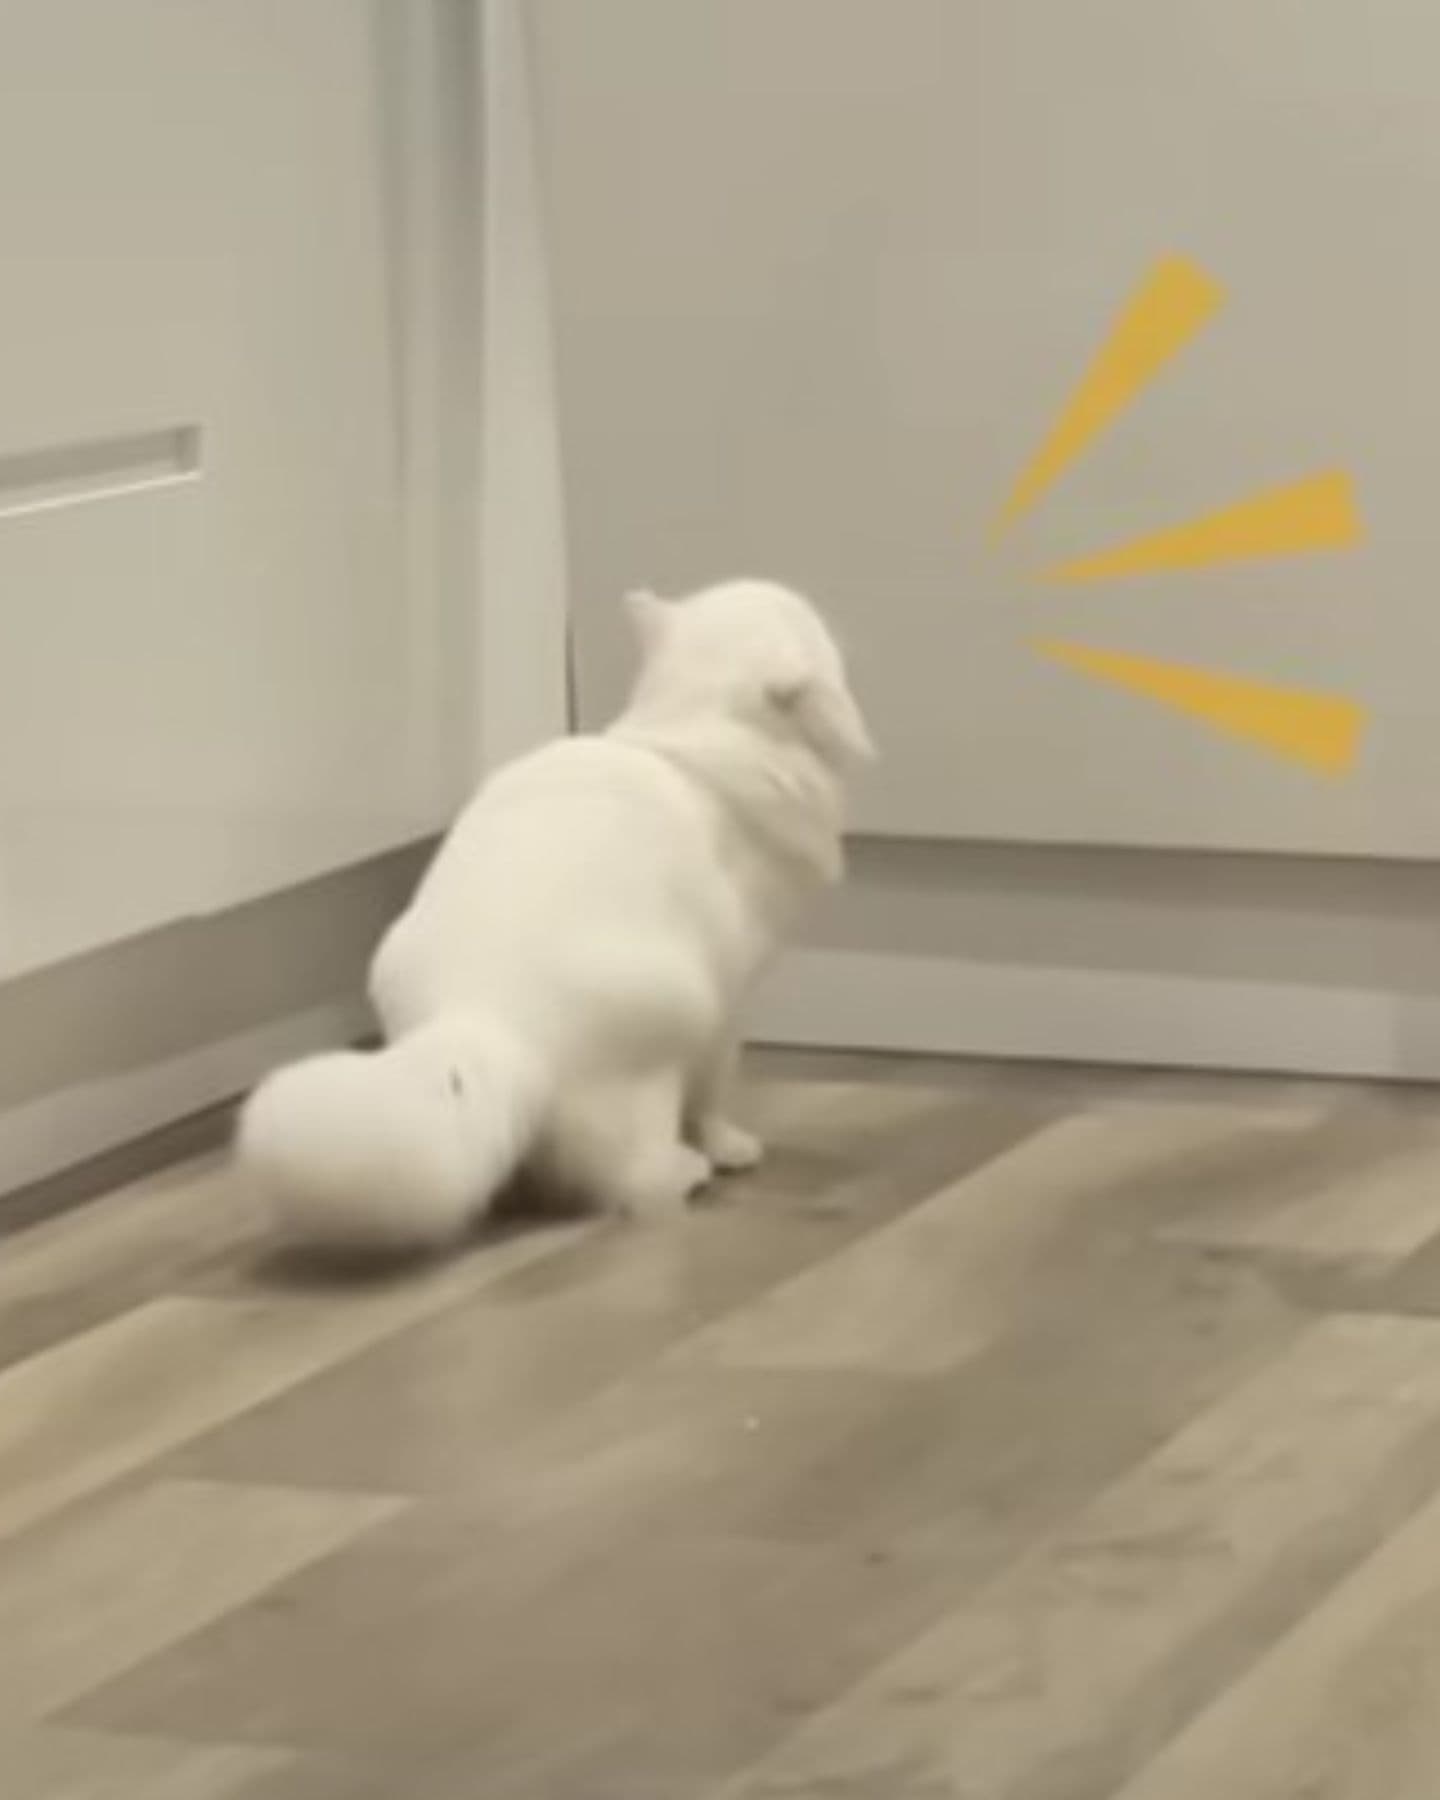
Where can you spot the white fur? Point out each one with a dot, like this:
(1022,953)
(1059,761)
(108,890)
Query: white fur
(562,992)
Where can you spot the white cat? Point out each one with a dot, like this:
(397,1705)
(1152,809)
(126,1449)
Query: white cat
(562,993)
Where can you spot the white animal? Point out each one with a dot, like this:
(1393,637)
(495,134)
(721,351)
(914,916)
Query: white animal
(562,994)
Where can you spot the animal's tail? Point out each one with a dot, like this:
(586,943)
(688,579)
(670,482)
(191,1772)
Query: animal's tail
(397,1149)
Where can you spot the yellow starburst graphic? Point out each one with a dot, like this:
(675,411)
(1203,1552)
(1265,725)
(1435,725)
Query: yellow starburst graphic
(1315,514)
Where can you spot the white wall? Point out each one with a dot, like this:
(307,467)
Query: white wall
(827,274)
(738,384)
(144,1028)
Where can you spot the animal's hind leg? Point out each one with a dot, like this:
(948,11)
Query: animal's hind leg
(725,1145)
(619,1145)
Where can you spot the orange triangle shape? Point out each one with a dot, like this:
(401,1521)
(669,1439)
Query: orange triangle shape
(1322,731)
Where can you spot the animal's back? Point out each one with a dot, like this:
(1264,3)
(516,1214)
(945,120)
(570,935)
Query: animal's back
(585,876)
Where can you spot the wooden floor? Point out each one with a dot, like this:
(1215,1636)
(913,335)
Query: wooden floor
(1010,1437)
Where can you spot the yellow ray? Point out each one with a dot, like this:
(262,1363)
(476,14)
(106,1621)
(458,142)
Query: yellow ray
(1321,730)
(1316,514)
(1160,318)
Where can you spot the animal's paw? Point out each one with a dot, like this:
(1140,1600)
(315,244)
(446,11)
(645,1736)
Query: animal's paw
(730,1149)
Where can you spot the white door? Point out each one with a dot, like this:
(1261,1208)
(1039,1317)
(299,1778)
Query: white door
(217,676)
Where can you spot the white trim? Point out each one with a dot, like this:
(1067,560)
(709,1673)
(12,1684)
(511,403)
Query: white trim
(933,1006)
(60,1131)
(521,677)
(425,216)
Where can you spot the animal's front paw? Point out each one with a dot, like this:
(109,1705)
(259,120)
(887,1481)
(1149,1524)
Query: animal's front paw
(730,1149)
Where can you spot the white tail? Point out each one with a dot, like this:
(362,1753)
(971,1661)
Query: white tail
(398,1149)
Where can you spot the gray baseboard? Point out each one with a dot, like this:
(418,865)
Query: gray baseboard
(130,1041)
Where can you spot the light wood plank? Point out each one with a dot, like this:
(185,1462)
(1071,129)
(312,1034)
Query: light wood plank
(51,1764)
(941,1282)
(513,1665)
(71,1273)
(110,1584)
(1346,1708)
(495,1375)
(1047,1665)
(109,1401)
(1376,1213)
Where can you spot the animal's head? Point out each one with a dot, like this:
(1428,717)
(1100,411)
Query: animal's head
(757,651)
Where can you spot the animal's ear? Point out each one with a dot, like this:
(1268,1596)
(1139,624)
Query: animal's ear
(649,617)
(827,716)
